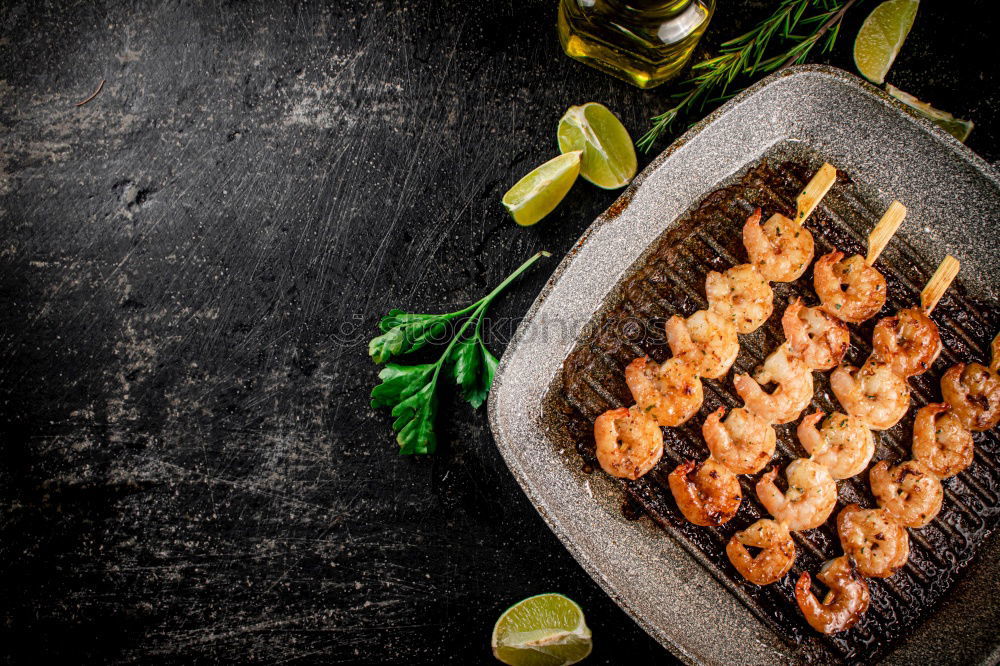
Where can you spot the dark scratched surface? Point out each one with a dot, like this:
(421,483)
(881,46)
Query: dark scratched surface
(191,265)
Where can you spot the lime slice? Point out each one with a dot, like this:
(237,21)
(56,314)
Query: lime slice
(537,194)
(545,630)
(608,154)
(881,36)
(958,128)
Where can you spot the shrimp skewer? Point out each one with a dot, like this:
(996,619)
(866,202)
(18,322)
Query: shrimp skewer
(743,442)
(815,336)
(908,341)
(781,249)
(940,441)
(776,556)
(706,339)
(844,445)
(878,395)
(740,301)
(876,542)
(844,604)
(670,392)
(852,289)
(908,491)
(741,295)
(794,390)
(872,393)
(973,393)
(708,494)
(904,345)
(629,442)
(705,345)
(809,500)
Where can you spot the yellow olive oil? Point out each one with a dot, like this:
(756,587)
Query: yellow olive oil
(644,42)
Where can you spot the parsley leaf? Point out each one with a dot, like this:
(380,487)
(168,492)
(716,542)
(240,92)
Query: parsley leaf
(403,333)
(411,390)
(399,382)
(472,368)
(414,422)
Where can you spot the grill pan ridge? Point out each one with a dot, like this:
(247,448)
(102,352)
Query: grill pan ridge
(669,279)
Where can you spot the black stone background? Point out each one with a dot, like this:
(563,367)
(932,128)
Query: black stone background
(190,268)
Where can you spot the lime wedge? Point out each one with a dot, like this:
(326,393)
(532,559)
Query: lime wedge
(881,36)
(608,154)
(545,630)
(537,194)
(958,128)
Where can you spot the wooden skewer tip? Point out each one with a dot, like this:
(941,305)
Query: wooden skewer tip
(939,283)
(814,191)
(883,232)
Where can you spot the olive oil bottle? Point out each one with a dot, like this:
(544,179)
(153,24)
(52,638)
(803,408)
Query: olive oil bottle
(644,42)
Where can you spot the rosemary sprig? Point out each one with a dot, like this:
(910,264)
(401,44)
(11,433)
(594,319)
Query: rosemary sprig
(744,55)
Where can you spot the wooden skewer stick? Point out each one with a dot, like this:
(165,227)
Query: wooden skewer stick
(814,191)
(939,283)
(883,231)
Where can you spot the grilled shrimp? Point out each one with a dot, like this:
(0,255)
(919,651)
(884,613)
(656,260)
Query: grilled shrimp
(908,491)
(818,338)
(708,494)
(629,443)
(845,602)
(850,290)
(669,392)
(780,249)
(776,556)
(794,391)
(940,441)
(843,445)
(995,350)
(909,342)
(973,391)
(741,295)
(706,340)
(809,500)
(877,543)
(874,393)
(744,442)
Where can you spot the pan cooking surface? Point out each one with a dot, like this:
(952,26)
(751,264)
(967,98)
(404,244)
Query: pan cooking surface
(669,280)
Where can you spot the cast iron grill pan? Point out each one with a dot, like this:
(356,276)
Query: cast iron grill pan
(670,279)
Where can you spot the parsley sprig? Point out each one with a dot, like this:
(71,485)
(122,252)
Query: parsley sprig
(411,390)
